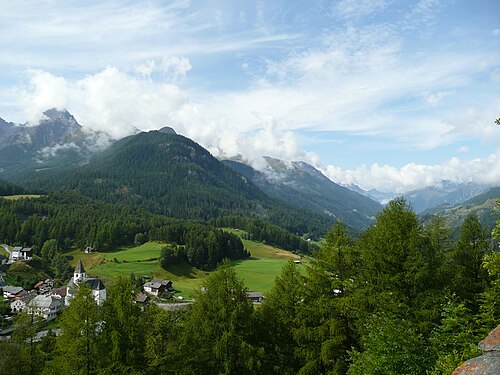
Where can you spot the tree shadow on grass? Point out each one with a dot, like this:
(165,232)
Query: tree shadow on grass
(184,270)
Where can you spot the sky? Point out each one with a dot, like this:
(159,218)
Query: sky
(385,94)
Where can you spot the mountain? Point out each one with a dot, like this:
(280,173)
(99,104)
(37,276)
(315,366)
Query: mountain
(379,196)
(57,141)
(10,189)
(482,205)
(301,185)
(446,193)
(172,175)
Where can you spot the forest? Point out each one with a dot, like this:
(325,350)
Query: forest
(403,298)
(57,223)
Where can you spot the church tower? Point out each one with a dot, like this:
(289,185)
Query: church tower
(80,274)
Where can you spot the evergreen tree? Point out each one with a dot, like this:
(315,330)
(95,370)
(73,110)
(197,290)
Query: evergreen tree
(470,277)
(77,347)
(122,334)
(325,333)
(279,315)
(218,337)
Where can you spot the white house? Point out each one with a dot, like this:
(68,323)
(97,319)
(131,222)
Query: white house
(22,253)
(10,291)
(94,283)
(45,306)
(19,305)
(157,286)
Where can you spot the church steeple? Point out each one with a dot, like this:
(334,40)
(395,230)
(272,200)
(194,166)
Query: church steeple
(80,274)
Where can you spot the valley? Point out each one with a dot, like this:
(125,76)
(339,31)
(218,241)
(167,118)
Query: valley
(258,271)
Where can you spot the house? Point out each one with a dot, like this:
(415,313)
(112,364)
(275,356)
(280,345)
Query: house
(141,298)
(256,297)
(61,292)
(94,283)
(11,292)
(19,304)
(44,286)
(157,286)
(22,253)
(45,306)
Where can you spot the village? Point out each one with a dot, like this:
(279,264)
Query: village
(46,301)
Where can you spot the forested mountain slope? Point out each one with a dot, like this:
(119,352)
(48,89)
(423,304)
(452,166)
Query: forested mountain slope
(169,174)
(58,141)
(482,205)
(302,185)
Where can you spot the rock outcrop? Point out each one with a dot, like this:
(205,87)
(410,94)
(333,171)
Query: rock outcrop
(489,362)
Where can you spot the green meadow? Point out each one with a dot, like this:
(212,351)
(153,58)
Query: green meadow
(22,196)
(258,271)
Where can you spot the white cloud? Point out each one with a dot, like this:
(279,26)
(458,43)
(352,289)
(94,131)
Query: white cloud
(110,100)
(117,103)
(171,68)
(357,8)
(415,176)
(434,98)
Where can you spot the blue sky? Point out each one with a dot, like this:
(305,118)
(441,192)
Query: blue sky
(393,95)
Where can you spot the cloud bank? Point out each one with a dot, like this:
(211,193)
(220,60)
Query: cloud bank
(413,176)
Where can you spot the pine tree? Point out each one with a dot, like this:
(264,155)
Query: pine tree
(218,337)
(122,333)
(77,347)
(470,277)
(279,315)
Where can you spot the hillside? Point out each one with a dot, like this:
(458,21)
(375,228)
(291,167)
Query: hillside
(482,205)
(171,175)
(446,193)
(258,272)
(302,185)
(58,141)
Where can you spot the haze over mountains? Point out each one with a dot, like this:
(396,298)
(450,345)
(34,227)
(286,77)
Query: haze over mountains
(57,141)
(170,174)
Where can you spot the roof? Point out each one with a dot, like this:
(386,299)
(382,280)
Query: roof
(161,281)
(153,285)
(38,284)
(95,284)
(141,297)
(26,249)
(17,248)
(60,291)
(79,268)
(255,295)
(44,301)
(12,289)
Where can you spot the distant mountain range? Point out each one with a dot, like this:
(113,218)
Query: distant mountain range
(482,205)
(58,141)
(446,193)
(302,185)
(170,174)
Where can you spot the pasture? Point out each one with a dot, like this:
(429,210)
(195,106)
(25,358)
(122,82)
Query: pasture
(258,271)
(21,196)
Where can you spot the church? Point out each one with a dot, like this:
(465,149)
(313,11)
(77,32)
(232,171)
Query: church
(95,284)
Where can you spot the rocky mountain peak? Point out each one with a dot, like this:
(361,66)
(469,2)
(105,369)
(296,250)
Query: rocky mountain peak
(60,117)
(167,130)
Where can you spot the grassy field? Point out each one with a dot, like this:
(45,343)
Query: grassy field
(23,196)
(4,252)
(258,271)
